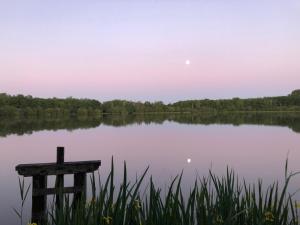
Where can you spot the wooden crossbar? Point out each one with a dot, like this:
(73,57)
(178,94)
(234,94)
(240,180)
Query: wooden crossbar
(46,169)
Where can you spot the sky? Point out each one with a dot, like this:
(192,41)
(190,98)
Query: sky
(138,50)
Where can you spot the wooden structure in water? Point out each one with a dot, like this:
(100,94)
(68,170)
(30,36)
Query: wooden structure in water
(39,173)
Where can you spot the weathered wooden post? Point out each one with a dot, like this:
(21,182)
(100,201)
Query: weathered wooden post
(60,158)
(79,184)
(39,201)
(39,173)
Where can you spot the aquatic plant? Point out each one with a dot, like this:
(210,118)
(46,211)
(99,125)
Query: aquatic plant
(23,195)
(213,200)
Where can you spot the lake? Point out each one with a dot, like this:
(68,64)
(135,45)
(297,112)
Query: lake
(255,145)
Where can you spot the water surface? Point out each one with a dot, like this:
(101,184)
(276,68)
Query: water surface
(254,145)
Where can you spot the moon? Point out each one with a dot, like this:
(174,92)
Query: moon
(187,62)
(189,160)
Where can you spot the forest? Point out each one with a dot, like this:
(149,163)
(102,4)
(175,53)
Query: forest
(20,106)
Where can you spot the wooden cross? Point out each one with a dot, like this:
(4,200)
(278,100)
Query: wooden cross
(39,173)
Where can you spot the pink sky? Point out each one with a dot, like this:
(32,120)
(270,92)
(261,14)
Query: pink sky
(137,50)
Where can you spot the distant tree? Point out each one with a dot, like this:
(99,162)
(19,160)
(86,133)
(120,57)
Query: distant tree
(9,111)
(295,92)
(28,106)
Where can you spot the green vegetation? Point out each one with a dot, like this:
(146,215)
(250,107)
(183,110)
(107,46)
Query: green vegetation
(28,107)
(24,114)
(212,200)
(295,93)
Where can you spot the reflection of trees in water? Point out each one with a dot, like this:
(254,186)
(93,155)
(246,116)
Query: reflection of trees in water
(291,120)
(20,127)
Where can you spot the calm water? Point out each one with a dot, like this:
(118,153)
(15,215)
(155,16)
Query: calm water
(257,148)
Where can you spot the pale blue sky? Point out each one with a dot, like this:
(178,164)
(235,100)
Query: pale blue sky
(136,49)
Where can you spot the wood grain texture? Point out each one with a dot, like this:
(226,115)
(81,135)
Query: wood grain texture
(28,170)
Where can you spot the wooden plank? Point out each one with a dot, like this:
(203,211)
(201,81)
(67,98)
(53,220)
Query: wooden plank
(28,170)
(60,155)
(59,187)
(39,203)
(54,191)
(60,158)
(80,183)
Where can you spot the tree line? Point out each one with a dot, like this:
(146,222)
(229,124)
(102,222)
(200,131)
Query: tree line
(20,106)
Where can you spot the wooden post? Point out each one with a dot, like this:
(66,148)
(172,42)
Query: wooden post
(60,158)
(60,155)
(39,173)
(79,184)
(39,202)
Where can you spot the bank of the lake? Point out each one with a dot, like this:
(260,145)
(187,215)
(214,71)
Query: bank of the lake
(20,106)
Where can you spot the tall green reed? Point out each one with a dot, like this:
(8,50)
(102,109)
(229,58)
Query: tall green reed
(212,200)
(23,190)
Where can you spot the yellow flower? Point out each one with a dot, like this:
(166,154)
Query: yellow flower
(32,223)
(107,219)
(297,205)
(137,204)
(269,216)
(112,206)
(219,219)
(91,202)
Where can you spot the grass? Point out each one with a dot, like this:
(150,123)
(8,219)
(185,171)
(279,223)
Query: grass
(212,200)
